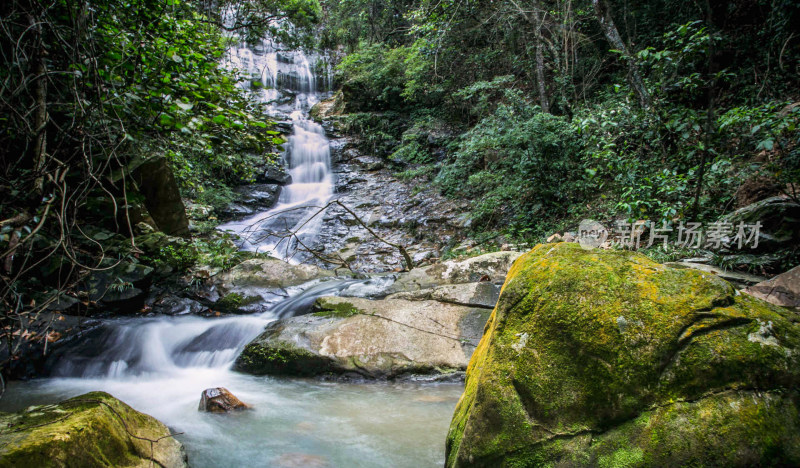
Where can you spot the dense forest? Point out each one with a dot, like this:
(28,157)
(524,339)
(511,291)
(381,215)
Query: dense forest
(540,113)
(131,130)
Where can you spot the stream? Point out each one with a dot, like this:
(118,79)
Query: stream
(160,365)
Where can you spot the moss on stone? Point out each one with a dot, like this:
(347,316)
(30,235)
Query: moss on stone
(324,308)
(582,341)
(91,430)
(281,359)
(234,301)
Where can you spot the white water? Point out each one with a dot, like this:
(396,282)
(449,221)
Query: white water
(160,366)
(291,89)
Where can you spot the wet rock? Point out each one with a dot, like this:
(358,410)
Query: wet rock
(258,197)
(236,303)
(276,175)
(374,339)
(606,358)
(782,290)
(220,400)
(268,273)
(175,305)
(90,430)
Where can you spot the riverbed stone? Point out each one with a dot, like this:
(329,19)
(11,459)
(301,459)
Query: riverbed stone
(220,400)
(91,430)
(491,267)
(269,273)
(780,223)
(374,339)
(606,358)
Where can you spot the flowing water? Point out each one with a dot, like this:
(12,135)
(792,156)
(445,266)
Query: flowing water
(291,88)
(160,365)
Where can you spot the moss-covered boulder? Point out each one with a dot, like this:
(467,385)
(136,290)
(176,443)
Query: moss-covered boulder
(91,430)
(605,358)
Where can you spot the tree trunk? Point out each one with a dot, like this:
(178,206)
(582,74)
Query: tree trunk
(612,34)
(543,97)
(40,102)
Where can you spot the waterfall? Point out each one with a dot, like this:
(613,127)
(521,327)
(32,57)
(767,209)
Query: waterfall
(287,82)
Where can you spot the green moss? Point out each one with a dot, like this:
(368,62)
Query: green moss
(335,309)
(583,341)
(234,301)
(284,359)
(86,431)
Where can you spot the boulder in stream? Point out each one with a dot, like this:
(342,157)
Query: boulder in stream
(91,430)
(220,400)
(269,273)
(374,339)
(606,358)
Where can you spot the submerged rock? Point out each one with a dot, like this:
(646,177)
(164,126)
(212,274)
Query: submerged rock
(605,358)
(220,400)
(375,339)
(91,430)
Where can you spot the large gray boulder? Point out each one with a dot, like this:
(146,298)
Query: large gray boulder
(375,339)
(269,273)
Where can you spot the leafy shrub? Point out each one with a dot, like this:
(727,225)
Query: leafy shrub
(519,164)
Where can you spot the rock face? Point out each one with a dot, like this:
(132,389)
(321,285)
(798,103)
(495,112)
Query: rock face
(162,196)
(328,108)
(782,290)
(375,339)
(605,358)
(250,199)
(276,175)
(220,400)
(779,218)
(91,430)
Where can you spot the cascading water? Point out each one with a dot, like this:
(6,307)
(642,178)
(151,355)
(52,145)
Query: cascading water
(160,365)
(291,88)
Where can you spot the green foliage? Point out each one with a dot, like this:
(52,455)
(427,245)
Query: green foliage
(373,78)
(519,164)
(378,133)
(216,252)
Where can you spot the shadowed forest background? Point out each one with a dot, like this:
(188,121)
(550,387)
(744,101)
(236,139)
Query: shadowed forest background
(538,113)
